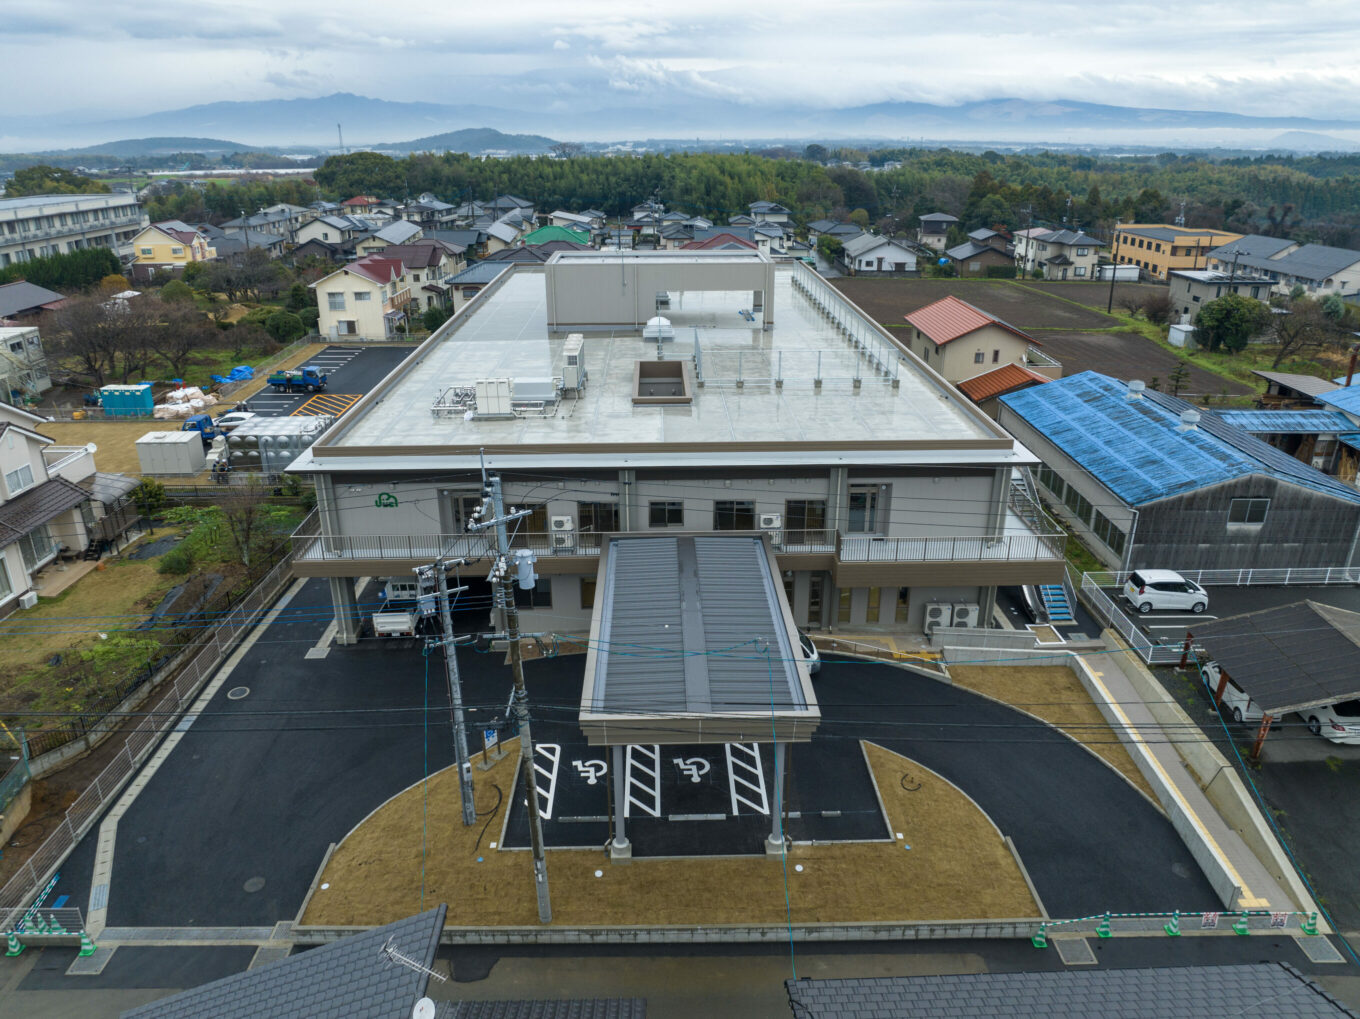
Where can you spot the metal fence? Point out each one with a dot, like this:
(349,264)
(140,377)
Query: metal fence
(20,889)
(15,777)
(1308,576)
(1104,607)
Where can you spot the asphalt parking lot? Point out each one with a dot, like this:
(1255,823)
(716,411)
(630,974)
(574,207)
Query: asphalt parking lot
(231,829)
(353,371)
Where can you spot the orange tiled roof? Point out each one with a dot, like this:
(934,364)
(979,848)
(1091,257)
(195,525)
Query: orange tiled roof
(998,381)
(949,318)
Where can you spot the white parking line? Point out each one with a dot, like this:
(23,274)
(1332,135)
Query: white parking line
(745,778)
(552,753)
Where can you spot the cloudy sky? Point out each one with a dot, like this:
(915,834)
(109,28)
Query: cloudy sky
(1264,58)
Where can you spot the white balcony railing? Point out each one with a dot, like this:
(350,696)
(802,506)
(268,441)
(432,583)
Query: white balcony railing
(74,463)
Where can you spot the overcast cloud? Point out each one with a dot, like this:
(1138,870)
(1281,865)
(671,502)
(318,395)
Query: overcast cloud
(1266,58)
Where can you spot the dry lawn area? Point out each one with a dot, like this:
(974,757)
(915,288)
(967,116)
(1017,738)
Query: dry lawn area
(1054,694)
(958,867)
(116,440)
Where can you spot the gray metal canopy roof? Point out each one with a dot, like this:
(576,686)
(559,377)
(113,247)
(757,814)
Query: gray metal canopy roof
(1289,658)
(692,641)
(349,977)
(1275,989)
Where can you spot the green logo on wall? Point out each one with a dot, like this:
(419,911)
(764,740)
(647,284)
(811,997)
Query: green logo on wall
(385,501)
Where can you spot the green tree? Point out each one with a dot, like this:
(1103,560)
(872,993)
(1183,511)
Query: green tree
(362,173)
(72,270)
(860,218)
(284,326)
(1334,307)
(176,292)
(829,247)
(299,297)
(1179,376)
(434,317)
(51,180)
(1228,322)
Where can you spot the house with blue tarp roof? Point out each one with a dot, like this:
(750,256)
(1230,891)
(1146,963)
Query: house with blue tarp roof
(1149,481)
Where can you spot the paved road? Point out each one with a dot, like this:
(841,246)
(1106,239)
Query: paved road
(353,370)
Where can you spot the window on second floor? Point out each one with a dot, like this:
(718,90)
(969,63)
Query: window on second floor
(145,251)
(176,251)
(666,514)
(1083,251)
(734,515)
(863,506)
(1248,511)
(335,300)
(19,479)
(362,295)
(979,357)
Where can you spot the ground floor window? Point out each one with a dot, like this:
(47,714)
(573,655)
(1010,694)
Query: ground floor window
(903,604)
(6,588)
(665,514)
(843,611)
(871,613)
(587,592)
(35,546)
(537,597)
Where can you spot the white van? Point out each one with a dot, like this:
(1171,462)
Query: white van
(1162,589)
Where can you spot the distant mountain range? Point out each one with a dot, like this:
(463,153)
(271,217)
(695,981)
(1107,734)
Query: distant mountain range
(367,123)
(158,147)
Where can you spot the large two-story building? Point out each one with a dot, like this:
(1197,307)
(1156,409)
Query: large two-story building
(38,225)
(680,392)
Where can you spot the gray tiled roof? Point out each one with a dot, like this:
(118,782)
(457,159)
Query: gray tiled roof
(347,978)
(1253,246)
(37,506)
(581,1008)
(25,296)
(1274,989)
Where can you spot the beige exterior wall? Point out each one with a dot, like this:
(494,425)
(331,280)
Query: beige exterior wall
(957,360)
(357,310)
(152,247)
(1188,249)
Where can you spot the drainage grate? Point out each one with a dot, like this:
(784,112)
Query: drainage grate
(1318,949)
(1075,951)
(90,965)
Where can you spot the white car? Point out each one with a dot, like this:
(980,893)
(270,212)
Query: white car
(1162,589)
(232,418)
(810,655)
(1237,703)
(1339,722)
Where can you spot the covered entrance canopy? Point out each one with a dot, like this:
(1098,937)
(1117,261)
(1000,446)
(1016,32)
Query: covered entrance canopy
(692,641)
(1289,658)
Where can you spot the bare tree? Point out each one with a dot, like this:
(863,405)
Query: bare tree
(1305,327)
(106,338)
(1158,307)
(183,332)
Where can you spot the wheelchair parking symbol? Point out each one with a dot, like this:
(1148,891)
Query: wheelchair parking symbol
(693,768)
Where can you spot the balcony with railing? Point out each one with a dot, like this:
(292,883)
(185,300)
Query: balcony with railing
(74,463)
(1022,539)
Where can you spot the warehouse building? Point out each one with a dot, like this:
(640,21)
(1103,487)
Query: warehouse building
(1147,481)
(682,391)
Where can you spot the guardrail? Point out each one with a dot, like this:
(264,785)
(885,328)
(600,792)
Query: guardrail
(1308,576)
(39,868)
(1104,607)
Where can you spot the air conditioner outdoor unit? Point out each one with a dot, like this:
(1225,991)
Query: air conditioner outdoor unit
(966,614)
(938,613)
(28,600)
(771,521)
(564,539)
(562,524)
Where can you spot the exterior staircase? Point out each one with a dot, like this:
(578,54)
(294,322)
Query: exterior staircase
(1056,603)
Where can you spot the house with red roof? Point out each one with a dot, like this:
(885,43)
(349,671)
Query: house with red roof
(168,246)
(986,389)
(719,242)
(368,299)
(961,341)
(359,204)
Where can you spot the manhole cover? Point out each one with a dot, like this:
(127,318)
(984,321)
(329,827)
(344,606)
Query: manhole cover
(238,693)
(254,884)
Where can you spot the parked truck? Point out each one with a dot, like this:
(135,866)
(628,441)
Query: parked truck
(299,380)
(395,624)
(203,424)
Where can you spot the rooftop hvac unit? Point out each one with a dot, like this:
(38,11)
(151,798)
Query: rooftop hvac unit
(574,363)
(28,599)
(966,614)
(493,398)
(938,613)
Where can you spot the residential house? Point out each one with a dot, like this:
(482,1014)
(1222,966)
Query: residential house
(499,236)
(872,255)
(428,266)
(960,341)
(283,220)
(818,227)
(46,510)
(430,213)
(364,300)
(34,226)
(472,242)
(1317,268)
(503,204)
(575,221)
(168,247)
(397,232)
(1059,254)
(558,233)
(986,389)
(934,229)
(466,285)
(1190,289)
(990,238)
(230,245)
(533,254)
(1148,481)
(722,241)
(360,204)
(336,229)
(770,212)
(886,493)
(1159,249)
(973,259)
(21,300)
(24,374)
(323,208)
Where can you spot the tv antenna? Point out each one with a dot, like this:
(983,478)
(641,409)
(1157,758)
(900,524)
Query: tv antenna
(394,954)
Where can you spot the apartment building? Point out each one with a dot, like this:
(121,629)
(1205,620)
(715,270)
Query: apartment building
(1159,249)
(38,225)
(684,392)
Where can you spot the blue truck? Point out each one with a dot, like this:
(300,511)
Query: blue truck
(299,380)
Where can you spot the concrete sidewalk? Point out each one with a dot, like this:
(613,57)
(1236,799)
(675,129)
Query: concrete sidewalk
(1166,743)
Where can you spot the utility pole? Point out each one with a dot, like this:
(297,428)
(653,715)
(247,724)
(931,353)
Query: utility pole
(460,745)
(501,578)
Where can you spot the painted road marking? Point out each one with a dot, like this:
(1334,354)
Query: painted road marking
(552,753)
(745,778)
(643,789)
(326,403)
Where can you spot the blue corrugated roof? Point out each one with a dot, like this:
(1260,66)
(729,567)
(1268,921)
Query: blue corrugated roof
(1284,422)
(1136,450)
(1346,398)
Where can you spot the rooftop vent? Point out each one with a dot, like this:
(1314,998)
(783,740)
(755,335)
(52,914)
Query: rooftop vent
(1189,421)
(658,328)
(662,382)
(1136,388)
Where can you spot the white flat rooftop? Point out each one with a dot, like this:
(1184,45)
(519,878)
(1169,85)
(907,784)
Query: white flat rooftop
(504,334)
